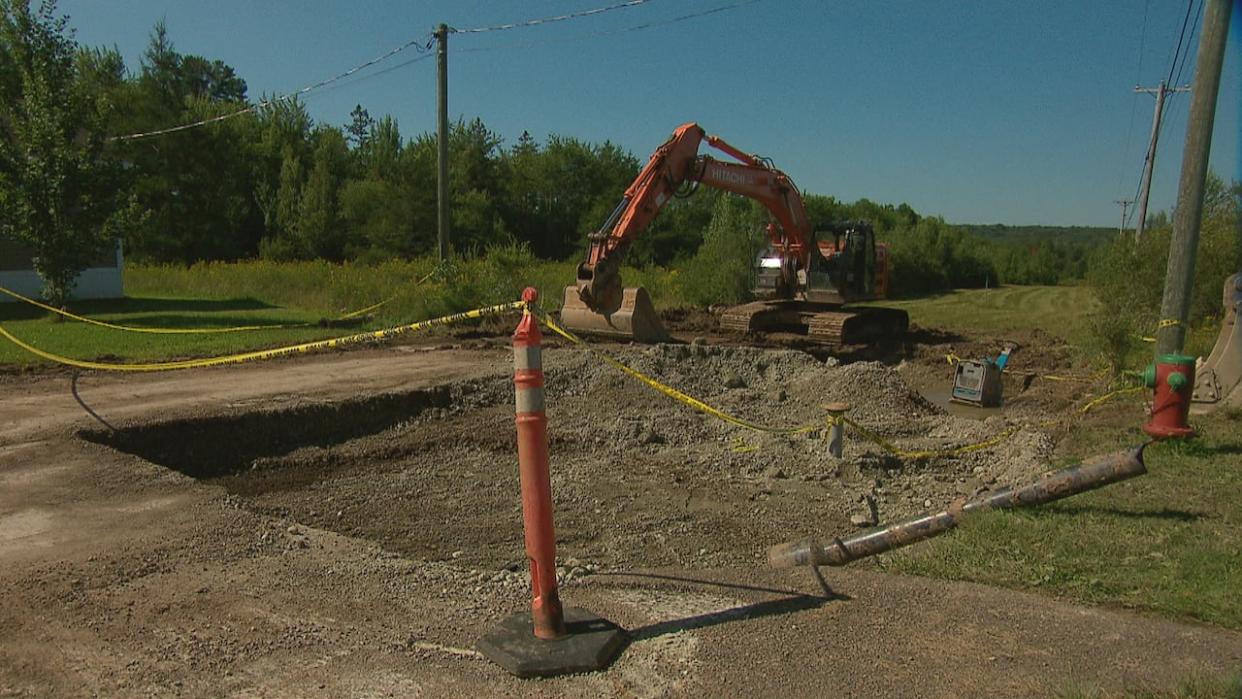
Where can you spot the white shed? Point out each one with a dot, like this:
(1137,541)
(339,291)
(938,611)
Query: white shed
(102,280)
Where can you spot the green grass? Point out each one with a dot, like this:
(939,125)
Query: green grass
(1059,310)
(83,341)
(1169,542)
(1198,686)
(213,295)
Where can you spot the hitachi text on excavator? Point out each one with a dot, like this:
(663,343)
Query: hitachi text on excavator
(802,281)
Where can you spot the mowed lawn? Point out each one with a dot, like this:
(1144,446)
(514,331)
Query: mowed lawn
(1169,542)
(83,341)
(1059,310)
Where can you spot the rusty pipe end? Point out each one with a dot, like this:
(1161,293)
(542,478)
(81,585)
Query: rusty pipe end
(796,553)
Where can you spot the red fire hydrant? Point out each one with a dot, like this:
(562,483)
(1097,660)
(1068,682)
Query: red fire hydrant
(1173,377)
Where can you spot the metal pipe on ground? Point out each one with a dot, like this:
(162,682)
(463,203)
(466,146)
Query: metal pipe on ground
(1056,485)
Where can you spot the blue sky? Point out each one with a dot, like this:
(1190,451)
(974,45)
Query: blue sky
(1001,111)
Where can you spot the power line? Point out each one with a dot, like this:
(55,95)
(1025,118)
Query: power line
(533,44)
(421,44)
(376,74)
(1173,63)
(1133,102)
(549,20)
(1180,38)
(610,32)
(1181,65)
(1186,55)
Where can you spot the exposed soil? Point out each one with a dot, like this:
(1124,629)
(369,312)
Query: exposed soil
(349,525)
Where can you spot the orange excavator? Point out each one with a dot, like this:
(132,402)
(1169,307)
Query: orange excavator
(802,280)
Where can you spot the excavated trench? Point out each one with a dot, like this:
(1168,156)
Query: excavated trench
(638,479)
(211,447)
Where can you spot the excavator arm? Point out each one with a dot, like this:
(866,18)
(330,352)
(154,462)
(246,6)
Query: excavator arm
(673,165)
(810,281)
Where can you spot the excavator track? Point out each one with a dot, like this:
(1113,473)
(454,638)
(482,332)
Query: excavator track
(826,324)
(859,327)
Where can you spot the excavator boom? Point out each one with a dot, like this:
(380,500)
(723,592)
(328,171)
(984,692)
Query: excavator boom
(598,303)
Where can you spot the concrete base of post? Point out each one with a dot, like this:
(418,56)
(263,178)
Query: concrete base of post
(591,644)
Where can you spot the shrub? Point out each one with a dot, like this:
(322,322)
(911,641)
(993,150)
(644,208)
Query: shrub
(722,270)
(1128,279)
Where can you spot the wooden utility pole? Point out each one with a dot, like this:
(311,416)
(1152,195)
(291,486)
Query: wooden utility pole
(1150,163)
(1180,274)
(1125,205)
(442,184)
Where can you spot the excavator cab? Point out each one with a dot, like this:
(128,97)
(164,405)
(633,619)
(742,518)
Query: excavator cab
(842,265)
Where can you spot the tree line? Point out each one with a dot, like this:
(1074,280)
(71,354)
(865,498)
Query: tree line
(274,183)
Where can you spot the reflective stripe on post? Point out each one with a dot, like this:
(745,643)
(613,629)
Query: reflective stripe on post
(533,469)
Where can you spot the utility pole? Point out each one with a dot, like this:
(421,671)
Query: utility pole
(442,184)
(1150,163)
(1125,205)
(1180,274)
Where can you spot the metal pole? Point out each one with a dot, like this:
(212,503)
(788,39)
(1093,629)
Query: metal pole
(1054,486)
(1180,273)
(442,184)
(532,438)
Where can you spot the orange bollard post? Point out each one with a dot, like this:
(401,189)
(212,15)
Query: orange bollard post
(532,445)
(565,640)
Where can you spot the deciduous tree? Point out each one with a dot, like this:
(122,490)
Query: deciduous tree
(58,189)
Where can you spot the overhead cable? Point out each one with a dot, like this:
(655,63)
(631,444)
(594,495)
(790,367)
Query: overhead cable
(1180,38)
(1186,55)
(608,32)
(532,44)
(422,44)
(549,20)
(1178,61)
(1133,99)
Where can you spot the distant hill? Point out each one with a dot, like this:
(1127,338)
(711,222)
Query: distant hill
(1085,235)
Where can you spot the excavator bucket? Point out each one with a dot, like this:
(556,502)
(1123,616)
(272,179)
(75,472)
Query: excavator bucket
(1219,380)
(636,319)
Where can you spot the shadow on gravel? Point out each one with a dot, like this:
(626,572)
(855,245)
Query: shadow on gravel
(716,583)
(794,602)
(775,607)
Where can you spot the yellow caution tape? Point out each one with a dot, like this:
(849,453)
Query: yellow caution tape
(270,353)
(161,331)
(1166,323)
(832,418)
(669,390)
(1071,379)
(196,331)
(1109,396)
(740,446)
(954,359)
(927,453)
(374,306)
